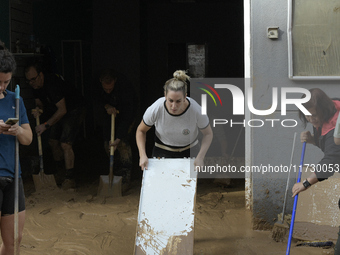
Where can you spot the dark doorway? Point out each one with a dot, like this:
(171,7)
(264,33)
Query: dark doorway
(176,58)
(167,27)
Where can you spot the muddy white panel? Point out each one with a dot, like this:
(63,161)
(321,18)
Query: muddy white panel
(166,208)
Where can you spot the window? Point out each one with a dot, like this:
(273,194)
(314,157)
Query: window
(314,39)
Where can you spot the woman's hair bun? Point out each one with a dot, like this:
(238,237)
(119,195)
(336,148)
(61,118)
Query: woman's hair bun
(181,75)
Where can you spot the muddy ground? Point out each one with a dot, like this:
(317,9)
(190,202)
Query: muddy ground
(80,223)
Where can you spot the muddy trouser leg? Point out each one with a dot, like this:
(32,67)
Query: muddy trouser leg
(123,157)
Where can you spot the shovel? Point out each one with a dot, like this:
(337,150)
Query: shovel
(41,180)
(110,185)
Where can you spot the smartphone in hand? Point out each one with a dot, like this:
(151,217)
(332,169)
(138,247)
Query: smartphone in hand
(11,121)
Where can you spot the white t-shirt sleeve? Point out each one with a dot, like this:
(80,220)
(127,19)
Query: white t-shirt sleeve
(202,120)
(150,115)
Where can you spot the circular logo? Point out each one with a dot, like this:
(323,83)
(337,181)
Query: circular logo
(185,131)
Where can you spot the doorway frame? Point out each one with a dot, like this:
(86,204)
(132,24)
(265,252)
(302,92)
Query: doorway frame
(247,85)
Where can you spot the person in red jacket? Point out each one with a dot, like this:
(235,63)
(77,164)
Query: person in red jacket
(325,112)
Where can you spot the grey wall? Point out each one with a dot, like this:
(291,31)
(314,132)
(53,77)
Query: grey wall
(273,145)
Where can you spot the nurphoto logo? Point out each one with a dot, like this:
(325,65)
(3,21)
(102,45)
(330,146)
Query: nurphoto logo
(223,90)
(232,107)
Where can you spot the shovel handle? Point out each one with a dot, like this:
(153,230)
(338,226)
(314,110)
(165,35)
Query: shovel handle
(112,149)
(39,137)
(112,133)
(37,119)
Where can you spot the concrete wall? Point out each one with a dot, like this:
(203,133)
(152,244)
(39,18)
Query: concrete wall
(273,145)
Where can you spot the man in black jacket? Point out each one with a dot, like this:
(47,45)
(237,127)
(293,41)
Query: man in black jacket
(64,109)
(117,97)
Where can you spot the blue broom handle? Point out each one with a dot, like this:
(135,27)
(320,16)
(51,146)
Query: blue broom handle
(17,92)
(16,176)
(295,201)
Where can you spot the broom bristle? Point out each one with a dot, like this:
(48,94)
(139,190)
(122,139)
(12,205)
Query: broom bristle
(279,232)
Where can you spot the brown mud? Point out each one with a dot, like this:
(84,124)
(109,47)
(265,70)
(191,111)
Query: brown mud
(78,222)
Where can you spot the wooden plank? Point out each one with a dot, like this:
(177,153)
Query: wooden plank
(166,208)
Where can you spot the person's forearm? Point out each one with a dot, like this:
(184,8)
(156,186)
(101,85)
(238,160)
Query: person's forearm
(141,140)
(56,117)
(312,179)
(25,135)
